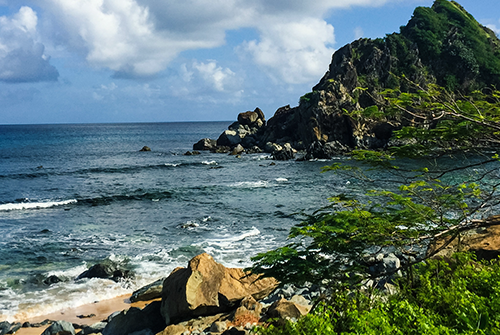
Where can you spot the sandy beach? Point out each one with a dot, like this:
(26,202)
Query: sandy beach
(101,309)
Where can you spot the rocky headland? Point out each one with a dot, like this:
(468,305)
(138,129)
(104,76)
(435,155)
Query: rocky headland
(442,45)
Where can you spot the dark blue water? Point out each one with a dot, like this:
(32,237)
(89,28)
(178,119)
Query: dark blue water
(73,195)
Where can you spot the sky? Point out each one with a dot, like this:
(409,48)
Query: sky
(93,61)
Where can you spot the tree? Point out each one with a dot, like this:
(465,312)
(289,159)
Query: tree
(443,170)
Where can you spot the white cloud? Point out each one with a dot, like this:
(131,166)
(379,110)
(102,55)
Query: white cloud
(295,52)
(22,57)
(138,38)
(494,27)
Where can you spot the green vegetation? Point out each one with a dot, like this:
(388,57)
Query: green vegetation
(438,86)
(442,183)
(454,49)
(456,297)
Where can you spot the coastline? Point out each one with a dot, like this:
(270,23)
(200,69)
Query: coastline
(101,310)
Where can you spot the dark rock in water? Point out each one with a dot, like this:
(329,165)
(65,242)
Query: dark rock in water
(325,150)
(107,270)
(26,325)
(283,153)
(52,280)
(60,328)
(234,331)
(145,148)
(192,153)
(85,316)
(237,150)
(221,149)
(136,319)
(205,144)
(148,292)
(4,327)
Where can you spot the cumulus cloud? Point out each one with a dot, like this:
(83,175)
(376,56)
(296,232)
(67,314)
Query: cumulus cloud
(295,52)
(139,38)
(22,57)
(204,81)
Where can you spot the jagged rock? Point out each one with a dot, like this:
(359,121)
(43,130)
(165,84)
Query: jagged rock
(136,319)
(148,292)
(286,309)
(247,118)
(60,328)
(107,270)
(206,287)
(145,148)
(229,138)
(325,151)
(205,144)
(237,150)
(284,153)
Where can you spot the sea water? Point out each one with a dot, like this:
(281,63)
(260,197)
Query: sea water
(74,195)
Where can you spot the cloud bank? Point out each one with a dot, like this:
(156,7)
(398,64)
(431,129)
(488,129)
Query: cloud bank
(140,38)
(22,57)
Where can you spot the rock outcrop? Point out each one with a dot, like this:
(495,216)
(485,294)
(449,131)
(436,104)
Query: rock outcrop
(455,52)
(206,287)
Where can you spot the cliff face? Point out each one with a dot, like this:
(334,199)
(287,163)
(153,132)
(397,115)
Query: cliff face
(443,44)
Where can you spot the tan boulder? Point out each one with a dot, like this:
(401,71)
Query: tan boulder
(206,287)
(283,309)
(484,242)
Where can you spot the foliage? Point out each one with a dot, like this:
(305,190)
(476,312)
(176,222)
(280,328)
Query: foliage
(442,44)
(417,203)
(458,297)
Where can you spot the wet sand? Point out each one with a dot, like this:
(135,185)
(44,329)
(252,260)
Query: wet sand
(101,309)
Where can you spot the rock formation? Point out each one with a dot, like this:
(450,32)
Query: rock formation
(443,45)
(206,287)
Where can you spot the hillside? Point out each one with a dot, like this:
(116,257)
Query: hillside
(441,45)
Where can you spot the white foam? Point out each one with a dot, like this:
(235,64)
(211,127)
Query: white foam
(35,205)
(250,184)
(281,179)
(228,240)
(172,164)
(209,163)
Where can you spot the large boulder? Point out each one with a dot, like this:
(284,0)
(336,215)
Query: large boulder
(205,144)
(206,287)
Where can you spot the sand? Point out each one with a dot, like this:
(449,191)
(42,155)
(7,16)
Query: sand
(101,309)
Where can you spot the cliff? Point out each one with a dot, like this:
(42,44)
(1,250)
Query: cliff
(441,45)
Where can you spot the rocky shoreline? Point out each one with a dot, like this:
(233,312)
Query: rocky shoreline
(208,298)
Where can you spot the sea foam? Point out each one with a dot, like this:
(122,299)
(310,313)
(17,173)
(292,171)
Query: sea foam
(35,205)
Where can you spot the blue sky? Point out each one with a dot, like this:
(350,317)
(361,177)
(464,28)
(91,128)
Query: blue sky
(86,61)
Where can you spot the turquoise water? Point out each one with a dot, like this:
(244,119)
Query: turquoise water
(73,195)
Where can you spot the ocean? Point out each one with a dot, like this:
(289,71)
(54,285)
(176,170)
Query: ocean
(74,195)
